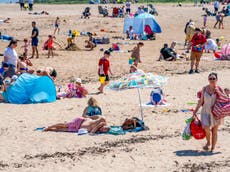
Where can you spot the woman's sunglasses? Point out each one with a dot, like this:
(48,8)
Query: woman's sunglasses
(212,79)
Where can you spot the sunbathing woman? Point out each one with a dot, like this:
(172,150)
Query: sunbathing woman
(92,126)
(92,111)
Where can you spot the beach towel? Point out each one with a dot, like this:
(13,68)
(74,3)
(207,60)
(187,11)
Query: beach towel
(150,105)
(114,130)
(31,89)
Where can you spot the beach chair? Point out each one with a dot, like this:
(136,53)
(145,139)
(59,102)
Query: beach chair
(115,12)
(86,13)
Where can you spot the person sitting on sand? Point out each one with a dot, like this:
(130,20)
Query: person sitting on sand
(89,43)
(210,45)
(39,13)
(3,72)
(23,64)
(77,91)
(92,111)
(167,54)
(129,32)
(7,20)
(48,71)
(92,126)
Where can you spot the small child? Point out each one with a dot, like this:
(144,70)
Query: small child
(26,46)
(205,19)
(218,42)
(104,70)
(49,45)
(77,90)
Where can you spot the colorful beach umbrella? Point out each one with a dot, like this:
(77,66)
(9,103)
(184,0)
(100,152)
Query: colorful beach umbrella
(138,79)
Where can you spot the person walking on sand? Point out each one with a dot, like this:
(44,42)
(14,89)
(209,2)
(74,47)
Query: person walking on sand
(57,25)
(22,3)
(31,3)
(104,70)
(198,41)
(207,100)
(34,42)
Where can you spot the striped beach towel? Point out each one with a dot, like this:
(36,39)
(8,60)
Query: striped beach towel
(221,108)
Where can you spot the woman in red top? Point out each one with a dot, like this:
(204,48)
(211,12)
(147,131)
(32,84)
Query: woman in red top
(104,70)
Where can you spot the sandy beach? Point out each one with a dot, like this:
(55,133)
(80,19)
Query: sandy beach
(161,148)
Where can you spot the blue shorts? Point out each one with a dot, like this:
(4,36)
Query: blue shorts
(35,42)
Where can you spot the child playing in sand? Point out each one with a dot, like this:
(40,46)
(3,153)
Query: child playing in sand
(92,111)
(75,89)
(89,43)
(104,69)
(49,44)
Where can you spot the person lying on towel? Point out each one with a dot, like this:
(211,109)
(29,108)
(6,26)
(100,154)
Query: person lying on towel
(92,126)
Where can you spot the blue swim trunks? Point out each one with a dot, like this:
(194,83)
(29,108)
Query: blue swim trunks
(35,41)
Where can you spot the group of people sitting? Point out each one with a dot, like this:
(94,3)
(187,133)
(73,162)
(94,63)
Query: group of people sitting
(148,34)
(168,53)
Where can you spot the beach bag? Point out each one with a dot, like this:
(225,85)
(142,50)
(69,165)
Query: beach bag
(132,123)
(196,128)
(187,131)
(221,108)
(156,96)
(105,40)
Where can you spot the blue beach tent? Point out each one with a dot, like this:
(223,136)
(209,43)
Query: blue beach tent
(140,21)
(31,89)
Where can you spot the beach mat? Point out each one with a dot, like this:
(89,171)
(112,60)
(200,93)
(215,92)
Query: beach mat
(114,130)
(151,105)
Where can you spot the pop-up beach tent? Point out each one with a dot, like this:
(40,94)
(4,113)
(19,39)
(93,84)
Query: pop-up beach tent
(31,89)
(140,21)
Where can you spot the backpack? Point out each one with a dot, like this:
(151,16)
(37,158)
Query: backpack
(133,123)
(156,96)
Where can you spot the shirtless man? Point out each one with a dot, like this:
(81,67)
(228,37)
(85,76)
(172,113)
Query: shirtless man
(92,126)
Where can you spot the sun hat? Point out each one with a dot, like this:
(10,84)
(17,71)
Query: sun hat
(78,80)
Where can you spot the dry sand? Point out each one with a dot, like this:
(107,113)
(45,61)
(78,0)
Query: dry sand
(159,149)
